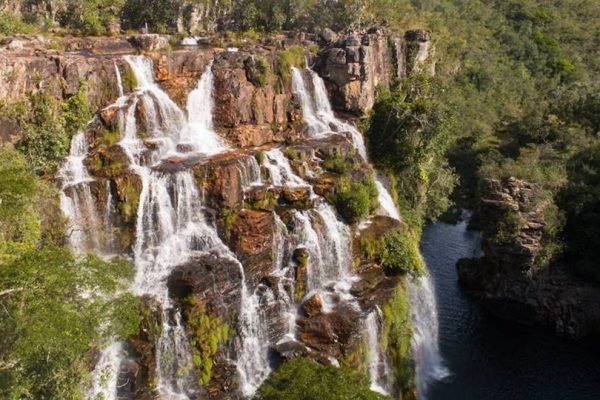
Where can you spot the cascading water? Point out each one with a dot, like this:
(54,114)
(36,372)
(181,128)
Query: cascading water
(106,374)
(430,364)
(321,121)
(76,200)
(280,170)
(199,133)
(171,227)
(379,371)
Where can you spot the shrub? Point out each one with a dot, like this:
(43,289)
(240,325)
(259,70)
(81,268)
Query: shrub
(400,253)
(288,58)
(49,328)
(397,340)
(338,163)
(355,200)
(304,379)
(206,334)
(11,24)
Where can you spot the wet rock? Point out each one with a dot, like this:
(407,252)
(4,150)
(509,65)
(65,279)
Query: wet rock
(213,280)
(313,305)
(141,367)
(331,334)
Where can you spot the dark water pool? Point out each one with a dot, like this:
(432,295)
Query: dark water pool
(492,360)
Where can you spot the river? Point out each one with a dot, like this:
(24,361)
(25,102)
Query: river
(495,360)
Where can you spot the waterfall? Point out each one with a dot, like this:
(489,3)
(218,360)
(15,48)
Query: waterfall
(379,371)
(249,171)
(199,132)
(430,365)
(171,227)
(76,201)
(119,81)
(106,374)
(386,203)
(320,120)
(280,170)
(327,241)
(107,219)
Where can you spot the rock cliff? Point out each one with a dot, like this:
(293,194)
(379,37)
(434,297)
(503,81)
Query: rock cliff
(268,194)
(506,279)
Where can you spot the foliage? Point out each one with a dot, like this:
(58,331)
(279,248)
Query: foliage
(92,17)
(263,68)
(400,253)
(355,200)
(47,130)
(408,136)
(397,340)
(206,334)
(338,163)
(160,15)
(581,201)
(304,379)
(48,325)
(77,110)
(288,58)
(11,24)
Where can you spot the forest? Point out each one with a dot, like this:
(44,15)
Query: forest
(515,94)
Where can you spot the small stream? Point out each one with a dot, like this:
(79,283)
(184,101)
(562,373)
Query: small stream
(494,360)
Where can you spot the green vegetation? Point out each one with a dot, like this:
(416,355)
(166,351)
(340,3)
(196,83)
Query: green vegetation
(160,15)
(355,200)
(263,71)
(206,333)
(408,136)
(11,24)
(92,17)
(397,339)
(288,58)
(48,327)
(304,379)
(400,253)
(580,200)
(47,130)
(338,163)
(397,251)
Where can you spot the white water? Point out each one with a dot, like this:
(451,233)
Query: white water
(199,132)
(119,81)
(171,227)
(321,121)
(430,365)
(379,371)
(76,201)
(280,170)
(106,374)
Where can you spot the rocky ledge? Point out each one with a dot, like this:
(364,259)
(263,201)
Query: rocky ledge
(506,279)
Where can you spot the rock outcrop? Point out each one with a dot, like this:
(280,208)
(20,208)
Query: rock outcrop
(506,279)
(355,65)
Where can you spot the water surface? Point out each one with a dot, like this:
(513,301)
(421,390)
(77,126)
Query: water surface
(493,360)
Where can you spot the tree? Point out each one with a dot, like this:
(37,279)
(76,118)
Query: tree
(304,379)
